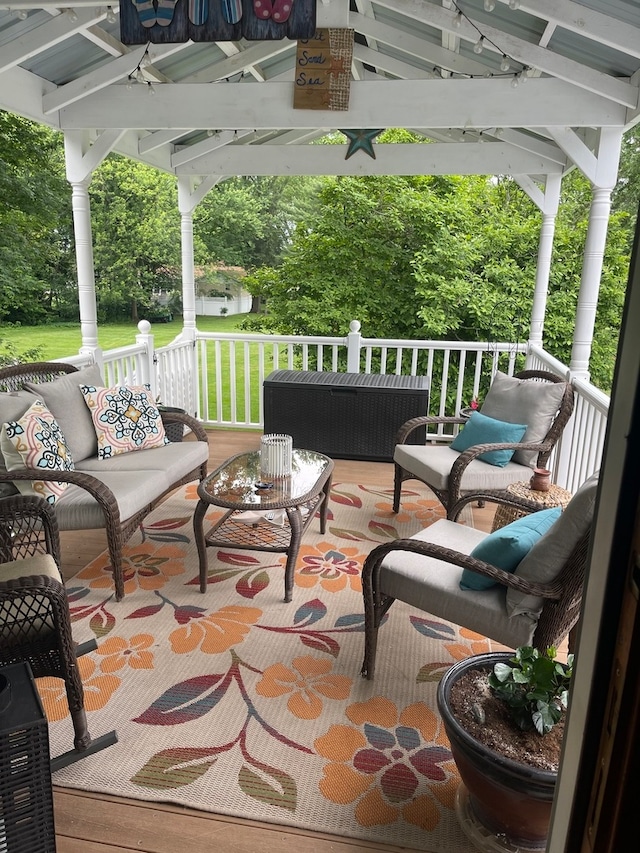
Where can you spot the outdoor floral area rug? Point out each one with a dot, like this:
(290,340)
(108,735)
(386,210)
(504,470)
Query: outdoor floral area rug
(236,703)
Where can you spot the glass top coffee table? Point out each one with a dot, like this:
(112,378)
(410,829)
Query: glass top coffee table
(252,520)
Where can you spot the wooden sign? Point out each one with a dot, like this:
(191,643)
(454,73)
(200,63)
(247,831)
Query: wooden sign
(323,70)
(177,21)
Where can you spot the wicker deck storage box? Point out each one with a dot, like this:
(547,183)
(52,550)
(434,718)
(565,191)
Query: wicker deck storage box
(343,415)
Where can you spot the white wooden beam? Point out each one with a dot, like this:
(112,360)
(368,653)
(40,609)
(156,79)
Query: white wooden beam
(576,150)
(391,159)
(49,34)
(586,22)
(522,51)
(110,72)
(542,102)
(432,54)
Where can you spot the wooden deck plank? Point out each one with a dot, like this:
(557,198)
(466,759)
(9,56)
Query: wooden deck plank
(106,824)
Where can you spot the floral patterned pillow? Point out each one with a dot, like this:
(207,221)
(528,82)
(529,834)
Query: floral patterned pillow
(125,418)
(35,440)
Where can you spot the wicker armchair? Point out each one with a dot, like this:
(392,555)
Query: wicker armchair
(115,494)
(35,624)
(537,604)
(454,475)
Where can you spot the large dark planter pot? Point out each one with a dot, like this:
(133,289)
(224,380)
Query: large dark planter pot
(508,799)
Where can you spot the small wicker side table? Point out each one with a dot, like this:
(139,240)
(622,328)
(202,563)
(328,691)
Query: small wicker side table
(532,500)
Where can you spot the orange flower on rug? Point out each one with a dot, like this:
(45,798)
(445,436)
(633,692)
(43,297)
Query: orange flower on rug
(237,703)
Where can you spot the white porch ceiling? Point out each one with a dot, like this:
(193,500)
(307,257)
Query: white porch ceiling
(227,108)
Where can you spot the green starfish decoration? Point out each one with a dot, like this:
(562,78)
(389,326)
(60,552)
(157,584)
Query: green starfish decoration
(361,140)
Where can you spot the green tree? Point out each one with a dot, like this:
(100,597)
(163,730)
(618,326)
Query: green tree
(247,222)
(136,234)
(36,252)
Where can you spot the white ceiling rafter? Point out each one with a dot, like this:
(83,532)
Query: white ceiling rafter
(412,67)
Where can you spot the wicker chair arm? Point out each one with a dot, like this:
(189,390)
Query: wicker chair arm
(181,417)
(372,566)
(423,420)
(466,458)
(35,522)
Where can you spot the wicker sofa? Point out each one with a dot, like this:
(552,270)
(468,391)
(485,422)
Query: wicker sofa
(112,493)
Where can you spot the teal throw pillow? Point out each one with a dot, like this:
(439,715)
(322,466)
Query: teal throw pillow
(507,546)
(481,429)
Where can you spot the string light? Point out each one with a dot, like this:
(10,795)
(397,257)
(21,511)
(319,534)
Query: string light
(478,47)
(22,14)
(111,15)
(72,15)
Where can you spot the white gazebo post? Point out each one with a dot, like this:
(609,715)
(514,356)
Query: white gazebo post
(548,202)
(602,171)
(189,197)
(81,158)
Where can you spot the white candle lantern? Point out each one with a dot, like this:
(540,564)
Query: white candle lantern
(275,455)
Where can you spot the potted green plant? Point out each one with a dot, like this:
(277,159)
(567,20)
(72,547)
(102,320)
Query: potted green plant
(503,713)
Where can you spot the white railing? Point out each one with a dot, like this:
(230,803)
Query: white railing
(219,377)
(578,454)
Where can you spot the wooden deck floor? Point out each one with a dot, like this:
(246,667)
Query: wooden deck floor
(97,823)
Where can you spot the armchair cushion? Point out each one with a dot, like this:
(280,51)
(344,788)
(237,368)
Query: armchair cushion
(125,418)
(481,429)
(548,555)
(507,546)
(36,441)
(433,586)
(432,464)
(64,400)
(517,400)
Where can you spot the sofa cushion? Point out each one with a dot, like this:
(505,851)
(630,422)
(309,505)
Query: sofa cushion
(36,441)
(77,509)
(481,429)
(125,418)
(507,546)
(64,400)
(434,586)
(175,460)
(549,554)
(524,401)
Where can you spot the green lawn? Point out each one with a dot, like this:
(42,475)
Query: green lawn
(63,339)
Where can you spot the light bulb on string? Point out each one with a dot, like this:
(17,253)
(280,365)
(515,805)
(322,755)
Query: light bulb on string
(111,15)
(489,5)
(479,45)
(457,21)
(515,81)
(22,14)
(514,4)
(505,64)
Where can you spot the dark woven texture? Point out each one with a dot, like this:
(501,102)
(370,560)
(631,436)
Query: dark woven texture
(27,527)
(118,530)
(562,596)
(452,496)
(26,795)
(343,415)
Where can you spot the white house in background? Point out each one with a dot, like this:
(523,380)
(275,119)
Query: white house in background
(219,291)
